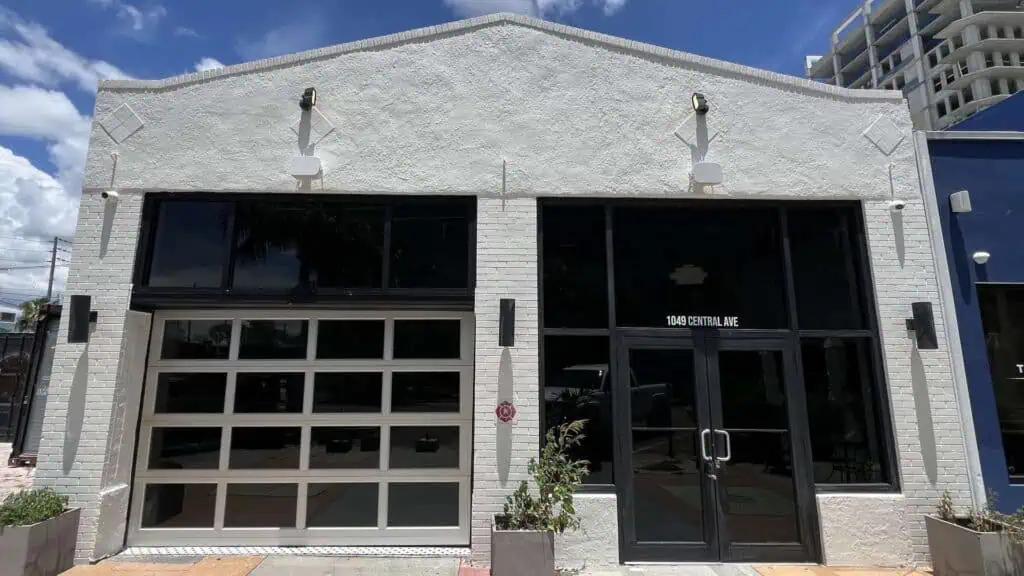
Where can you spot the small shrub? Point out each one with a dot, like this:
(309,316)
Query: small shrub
(31,507)
(945,508)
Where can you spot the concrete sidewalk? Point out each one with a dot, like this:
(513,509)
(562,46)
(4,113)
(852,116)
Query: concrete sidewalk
(13,479)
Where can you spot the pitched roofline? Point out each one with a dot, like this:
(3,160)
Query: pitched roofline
(639,49)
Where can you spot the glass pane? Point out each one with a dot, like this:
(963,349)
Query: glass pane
(424,447)
(264,447)
(760,497)
(425,391)
(339,447)
(698,260)
(179,505)
(577,386)
(184,449)
(662,388)
(345,339)
(575,279)
(196,340)
(430,245)
(189,244)
(273,339)
(347,391)
(341,505)
(845,432)
(826,267)
(269,393)
(260,505)
(427,338)
(1002,318)
(308,243)
(190,393)
(667,486)
(423,504)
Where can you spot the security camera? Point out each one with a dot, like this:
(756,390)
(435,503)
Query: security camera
(897,205)
(981,257)
(109,195)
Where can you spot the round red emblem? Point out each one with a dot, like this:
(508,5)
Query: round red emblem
(505,411)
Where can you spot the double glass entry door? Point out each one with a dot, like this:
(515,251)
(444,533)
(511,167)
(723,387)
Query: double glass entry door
(715,467)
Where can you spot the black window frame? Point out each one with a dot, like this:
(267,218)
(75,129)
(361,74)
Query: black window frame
(145,297)
(856,231)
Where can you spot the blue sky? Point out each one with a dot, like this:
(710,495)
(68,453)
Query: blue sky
(53,51)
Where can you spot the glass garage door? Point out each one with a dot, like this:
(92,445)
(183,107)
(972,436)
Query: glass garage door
(297,428)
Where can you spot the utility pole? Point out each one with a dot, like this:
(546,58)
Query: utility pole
(53,264)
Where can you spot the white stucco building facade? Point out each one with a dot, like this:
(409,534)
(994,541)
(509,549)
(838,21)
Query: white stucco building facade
(509,114)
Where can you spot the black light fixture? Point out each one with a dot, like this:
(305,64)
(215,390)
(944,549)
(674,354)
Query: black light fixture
(507,322)
(700,103)
(308,99)
(78,322)
(923,325)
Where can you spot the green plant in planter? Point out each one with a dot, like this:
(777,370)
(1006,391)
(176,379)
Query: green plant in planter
(31,507)
(557,477)
(987,519)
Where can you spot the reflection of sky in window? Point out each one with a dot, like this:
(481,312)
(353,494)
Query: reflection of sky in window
(277,269)
(188,250)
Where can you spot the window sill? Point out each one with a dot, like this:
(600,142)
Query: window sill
(855,489)
(606,489)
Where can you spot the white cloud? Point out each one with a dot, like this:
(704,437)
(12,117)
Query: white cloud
(291,37)
(28,53)
(208,64)
(530,7)
(186,31)
(135,22)
(613,6)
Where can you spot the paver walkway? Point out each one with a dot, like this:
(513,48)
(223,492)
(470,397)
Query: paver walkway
(12,479)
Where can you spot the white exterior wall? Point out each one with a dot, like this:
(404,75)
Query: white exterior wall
(572,113)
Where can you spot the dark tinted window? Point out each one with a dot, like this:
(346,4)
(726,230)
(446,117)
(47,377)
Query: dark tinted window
(265,447)
(268,393)
(423,504)
(196,340)
(179,506)
(341,447)
(575,280)
(430,244)
(189,245)
(698,260)
(577,386)
(260,505)
(1002,317)
(425,392)
(287,244)
(826,268)
(347,339)
(427,338)
(347,392)
(424,447)
(184,449)
(342,505)
(190,393)
(842,410)
(273,339)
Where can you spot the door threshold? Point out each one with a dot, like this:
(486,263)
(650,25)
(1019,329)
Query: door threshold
(379,551)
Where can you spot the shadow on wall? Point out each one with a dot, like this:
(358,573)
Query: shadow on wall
(963,265)
(503,442)
(76,410)
(925,424)
(897,232)
(109,211)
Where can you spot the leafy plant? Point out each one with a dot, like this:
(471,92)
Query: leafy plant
(987,519)
(556,477)
(31,312)
(945,508)
(31,507)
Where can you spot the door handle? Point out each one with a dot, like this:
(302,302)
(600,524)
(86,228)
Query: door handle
(728,445)
(703,444)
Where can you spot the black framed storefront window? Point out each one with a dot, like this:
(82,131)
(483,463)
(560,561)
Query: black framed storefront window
(305,248)
(791,269)
(1002,319)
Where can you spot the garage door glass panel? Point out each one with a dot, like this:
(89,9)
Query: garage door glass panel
(189,245)
(342,505)
(269,393)
(425,391)
(273,339)
(423,504)
(184,449)
(265,447)
(260,505)
(425,447)
(350,339)
(344,447)
(347,392)
(429,245)
(179,506)
(427,338)
(190,393)
(196,340)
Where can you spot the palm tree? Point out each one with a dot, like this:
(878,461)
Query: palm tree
(31,312)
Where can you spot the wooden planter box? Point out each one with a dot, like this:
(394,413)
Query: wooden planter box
(522,552)
(43,549)
(958,550)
